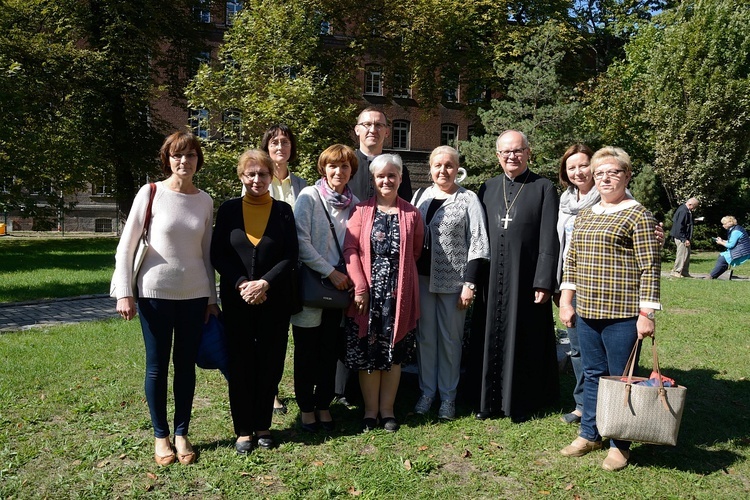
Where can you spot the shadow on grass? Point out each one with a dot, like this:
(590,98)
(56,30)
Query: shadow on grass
(50,290)
(58,254)
(716,416)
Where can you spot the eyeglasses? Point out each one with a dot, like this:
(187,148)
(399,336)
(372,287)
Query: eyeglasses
(282,143)
(368,125)
(260,174)
(180,156)
(601,174)
(515,152)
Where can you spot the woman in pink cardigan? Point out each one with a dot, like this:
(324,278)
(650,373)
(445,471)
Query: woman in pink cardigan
(383,242)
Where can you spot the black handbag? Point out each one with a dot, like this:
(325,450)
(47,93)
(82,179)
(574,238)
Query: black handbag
(212,352)
(317,290)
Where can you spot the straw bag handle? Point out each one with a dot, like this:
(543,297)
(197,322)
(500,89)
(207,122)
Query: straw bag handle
(630,365)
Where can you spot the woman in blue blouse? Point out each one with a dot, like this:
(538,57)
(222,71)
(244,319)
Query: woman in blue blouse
(737,247)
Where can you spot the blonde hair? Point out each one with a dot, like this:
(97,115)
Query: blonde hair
(611,152)
(729,219)
(254,156)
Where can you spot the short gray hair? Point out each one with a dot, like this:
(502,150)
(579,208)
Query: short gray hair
(524,139)
(445,150)
(381,161)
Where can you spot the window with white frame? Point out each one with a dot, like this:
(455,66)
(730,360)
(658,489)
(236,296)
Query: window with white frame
(202,11)
(233,8)
(401,131)
(401,86)
(373,80)
(102,184)
(198,122)
(448,134)
(232,130)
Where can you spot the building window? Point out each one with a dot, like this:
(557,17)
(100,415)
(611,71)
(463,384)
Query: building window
(401,133)
(326,28)
(373,80)
(401,86)
(448,134)
(233,8)
(102,185)
(203,11)
(450,95)
(232,125)
(102,225)
(198,122)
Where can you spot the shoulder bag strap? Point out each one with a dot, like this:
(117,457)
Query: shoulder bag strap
(333,229)
(147,221)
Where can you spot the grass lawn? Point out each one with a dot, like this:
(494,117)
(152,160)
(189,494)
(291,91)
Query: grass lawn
(74,423)
(45,268)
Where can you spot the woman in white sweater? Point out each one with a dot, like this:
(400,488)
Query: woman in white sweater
(175,287)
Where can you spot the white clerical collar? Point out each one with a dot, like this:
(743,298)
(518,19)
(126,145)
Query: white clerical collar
(369,157)
(511,179)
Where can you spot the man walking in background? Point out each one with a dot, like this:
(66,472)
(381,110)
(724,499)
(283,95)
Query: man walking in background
(682,232)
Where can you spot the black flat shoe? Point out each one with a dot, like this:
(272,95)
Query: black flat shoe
(312,427)
(369,424)
(328,426)
(571,418)
(265,441)
(244,447)
(483,415)
(390,424)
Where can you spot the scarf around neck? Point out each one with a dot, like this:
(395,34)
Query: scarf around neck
(571,205)
(336,200)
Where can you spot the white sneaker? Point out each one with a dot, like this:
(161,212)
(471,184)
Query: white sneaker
(447,410)
(423,405)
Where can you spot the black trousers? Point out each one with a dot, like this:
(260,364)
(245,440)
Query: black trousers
(257,341)
(315,354)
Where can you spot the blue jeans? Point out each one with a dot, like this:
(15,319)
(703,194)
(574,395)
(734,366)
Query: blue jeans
(720,267)
(159,319)
(575,361)
(605,348)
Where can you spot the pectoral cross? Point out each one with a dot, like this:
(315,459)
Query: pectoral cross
(505,221)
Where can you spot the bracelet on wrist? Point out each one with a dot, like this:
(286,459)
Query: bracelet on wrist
(566,305)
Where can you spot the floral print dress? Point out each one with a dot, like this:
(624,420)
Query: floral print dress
(375,351)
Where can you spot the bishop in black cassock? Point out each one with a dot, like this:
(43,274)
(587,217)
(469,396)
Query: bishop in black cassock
(513,347)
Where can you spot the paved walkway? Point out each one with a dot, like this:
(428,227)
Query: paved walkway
(24,315)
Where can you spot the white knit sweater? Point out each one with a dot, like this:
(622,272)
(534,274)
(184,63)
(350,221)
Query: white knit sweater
(177,265)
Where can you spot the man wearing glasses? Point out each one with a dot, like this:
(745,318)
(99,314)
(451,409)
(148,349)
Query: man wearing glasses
(513,347)
(372,129)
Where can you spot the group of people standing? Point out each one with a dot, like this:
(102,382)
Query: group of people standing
(413,263)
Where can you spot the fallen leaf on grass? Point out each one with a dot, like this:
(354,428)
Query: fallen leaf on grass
(151,475)
(496,445)
(149,487)
(76,463)
(423,447)
(353,491)
(243,474)
(544,492)
(317,463)
(407,464)
(568,486)
(467,437)
(101,464)
(123,456)
(466,454)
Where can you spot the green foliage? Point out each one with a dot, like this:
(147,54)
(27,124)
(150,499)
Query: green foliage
(536,103)
(274,68)
(681,100)
(77,80)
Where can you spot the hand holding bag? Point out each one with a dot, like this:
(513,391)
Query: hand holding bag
(317,290)
(634,412)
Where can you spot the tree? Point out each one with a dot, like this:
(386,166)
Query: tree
(77,79)
(274,67)
(536,102)
(685,92)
